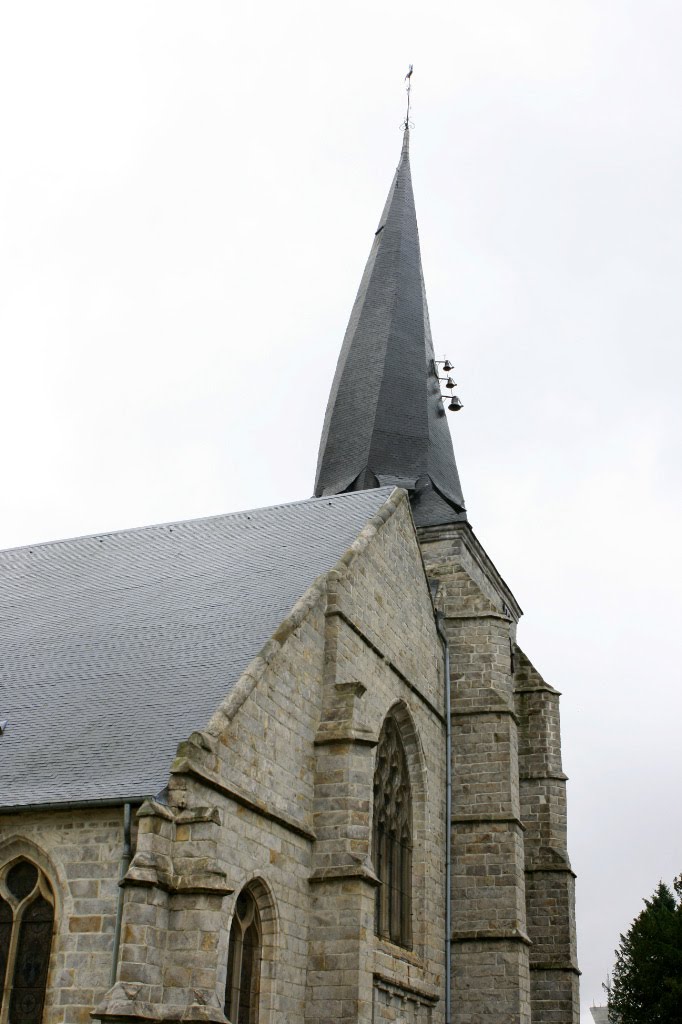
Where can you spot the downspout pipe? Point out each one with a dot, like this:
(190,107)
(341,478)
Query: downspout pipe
(448,821)
(126,854)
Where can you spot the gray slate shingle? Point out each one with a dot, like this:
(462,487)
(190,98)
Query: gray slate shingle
(385,421)
(113,648)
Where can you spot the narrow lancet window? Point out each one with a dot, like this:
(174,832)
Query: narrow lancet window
(392,837)
(26,927)
(243,962)
(5,936)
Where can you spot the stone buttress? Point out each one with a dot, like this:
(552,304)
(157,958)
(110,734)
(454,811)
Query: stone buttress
(550,882)
(381,654)
(490,953)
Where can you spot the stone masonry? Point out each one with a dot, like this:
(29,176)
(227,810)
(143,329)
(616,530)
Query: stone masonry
(80,854)
(278,788)
(513,919)
(276,791)
(550,882)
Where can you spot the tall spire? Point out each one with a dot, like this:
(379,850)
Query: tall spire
(385,421)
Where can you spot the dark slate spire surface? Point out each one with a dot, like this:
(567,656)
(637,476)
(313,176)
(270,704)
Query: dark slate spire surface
(385,421)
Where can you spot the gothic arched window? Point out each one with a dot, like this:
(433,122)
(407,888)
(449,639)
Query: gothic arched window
(243,961)
(26,926)
(392,837)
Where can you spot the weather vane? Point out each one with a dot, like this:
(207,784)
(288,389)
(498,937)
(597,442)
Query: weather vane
(407,124)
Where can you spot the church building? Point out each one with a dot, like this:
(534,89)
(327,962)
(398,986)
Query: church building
(289,766)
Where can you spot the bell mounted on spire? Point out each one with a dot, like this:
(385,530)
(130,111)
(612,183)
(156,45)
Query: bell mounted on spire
(454,403)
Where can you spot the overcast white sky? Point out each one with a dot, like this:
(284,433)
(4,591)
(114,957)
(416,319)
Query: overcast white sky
(188,195)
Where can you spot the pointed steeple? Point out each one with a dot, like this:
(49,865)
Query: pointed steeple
(385,421)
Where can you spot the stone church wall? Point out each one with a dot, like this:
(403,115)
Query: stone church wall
(277,793)
(79,852)
(239,811)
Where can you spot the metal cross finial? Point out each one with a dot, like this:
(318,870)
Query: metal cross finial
(406,125)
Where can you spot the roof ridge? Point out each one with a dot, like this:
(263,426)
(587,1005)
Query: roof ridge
(184,522)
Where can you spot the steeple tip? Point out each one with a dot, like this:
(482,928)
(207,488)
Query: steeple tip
(407,124)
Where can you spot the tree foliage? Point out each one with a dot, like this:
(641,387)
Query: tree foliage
(646,984)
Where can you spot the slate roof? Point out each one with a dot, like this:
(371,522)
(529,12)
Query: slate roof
(113,648)
(385,421)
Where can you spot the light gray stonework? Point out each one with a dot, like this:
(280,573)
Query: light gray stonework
(513,913)
(276,789)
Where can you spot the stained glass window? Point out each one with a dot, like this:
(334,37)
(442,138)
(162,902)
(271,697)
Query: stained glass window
(392,837)
(26,927)
(5,936)
(22,878)
(243,962)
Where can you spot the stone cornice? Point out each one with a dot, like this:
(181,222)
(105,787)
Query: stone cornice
(153,1014)
(499,616)
(334,609)
(546,688)
(121,1005)
(346,736)
(549,869)
(498,710)
(183,766)
(344,872)
(543,776)
(489,935)
(488,819)
(428,995)
(179,885)
(463,531)
(565,966)
(528,678)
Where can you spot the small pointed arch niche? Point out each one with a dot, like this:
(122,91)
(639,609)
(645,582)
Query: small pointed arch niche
(27,918)
(393,828)
(249,984)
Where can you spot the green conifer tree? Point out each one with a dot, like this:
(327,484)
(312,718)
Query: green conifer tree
(646,984)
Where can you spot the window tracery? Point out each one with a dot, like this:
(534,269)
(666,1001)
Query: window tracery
(243,961)
(392,837)
(26,927)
